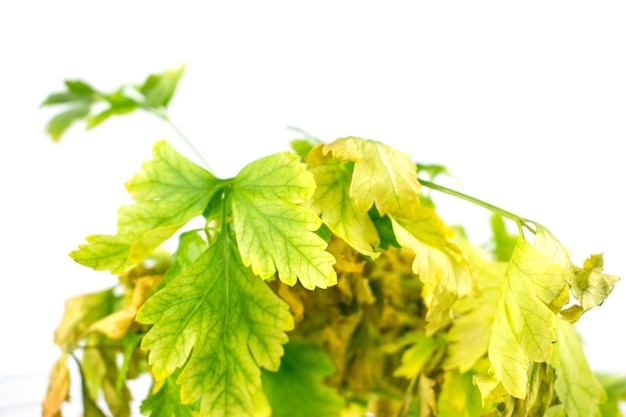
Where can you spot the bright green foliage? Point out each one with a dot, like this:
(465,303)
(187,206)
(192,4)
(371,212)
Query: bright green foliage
(169,191)
(158,89)
(504,242)
(298,389)
(165,402)
(322,283)
(418,355)
(275,232)
(219,323)
(79,100)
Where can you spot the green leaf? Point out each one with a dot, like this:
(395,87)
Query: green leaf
(576,386)
(383,176)
(158,89)
(80,88)
(165,402)
(190,247)
(339,211)
(459,397)
(432,170)
(220,323)
(118,104)
(169,191)
(415,358)
(523,328)
(302,147)
(504,242)
(60,123)
(615,388)
(301,375)
(384,228)
(275,231)
(101,371)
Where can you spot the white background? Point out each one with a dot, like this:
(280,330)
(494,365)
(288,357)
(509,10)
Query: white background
(525,103)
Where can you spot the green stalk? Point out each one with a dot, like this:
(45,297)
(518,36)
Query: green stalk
(519,220)
(163,115)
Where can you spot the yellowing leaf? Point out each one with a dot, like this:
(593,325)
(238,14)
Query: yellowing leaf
(298,389)
(577,388)
(471,329)
(80,313)
(588,284)
(382,175)
(58,388)
(169,191)
(275,232)
(438,262)
(117,324)
(523,328)
(426,393)
(220,323)
(591,286)
(339,211)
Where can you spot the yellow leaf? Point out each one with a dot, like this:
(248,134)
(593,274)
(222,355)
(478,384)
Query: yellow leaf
(575,385)
(470,331)
(80,313)
(523,327)
(438,262)
(591,286)
(116,324)
(338,210)
(426,388)
(58,388)
(382,175)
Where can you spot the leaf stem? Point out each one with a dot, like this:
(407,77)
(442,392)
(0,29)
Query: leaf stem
(162,114)
(519,220)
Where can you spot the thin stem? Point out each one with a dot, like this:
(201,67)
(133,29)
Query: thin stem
(408,397)
(519,220)
(163,115)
